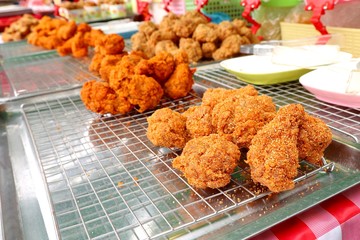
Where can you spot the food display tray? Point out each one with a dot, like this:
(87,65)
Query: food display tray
(34,74)
(19,48)
(86,176)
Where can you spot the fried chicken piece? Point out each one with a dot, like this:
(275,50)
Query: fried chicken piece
(168,21)
(240,117)
(198,121)
(180,56)
(314,137)
(194,16)
(100,98)
(161,35)
(213,96)
(95,64)
(144,92)
(159,67)
(92,36)
(205,33)
(147,28)
(65,49)
(273,153)
(67,31)
(167,128)
(51,42)
(207,162)
(180,81)
(83,27)
(230,47)
(225,29)
(166,46)
(192,48)
(110,44)
(208,49)
(108,63)
(79,47)
(238,24)
(138,41)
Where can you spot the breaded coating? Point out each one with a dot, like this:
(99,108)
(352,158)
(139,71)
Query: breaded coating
(184,28)
(225,29)
(180,82)
(208,49)
(147,27)
(65,49)
(110,44)
(205,33)
(159,67)
(144,92)
(180,56)
(273,153)
(83,27)
(207,162)
(167,128)
(198,121)
(95,64)
(166,46)
(100,98)
(314,137)
(108,63)
(213,96)
(240,117)
(138,41)
(67,31)
(168,20)
(192,48)
(230,47)
(79,47)
(93,36)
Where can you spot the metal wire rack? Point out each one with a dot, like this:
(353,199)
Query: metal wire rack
(19,48)
(39,73)
(344,121)
(107,181)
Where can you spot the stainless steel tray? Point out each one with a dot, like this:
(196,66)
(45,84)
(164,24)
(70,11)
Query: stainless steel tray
(40,73)
(99,177)
(19,48)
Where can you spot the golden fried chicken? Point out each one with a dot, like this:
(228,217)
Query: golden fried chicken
(167,21)
(273,153)
(184,28)
(314,137)
(147,27)
(240,117)
(208,49)
(166,46)
(213,96)
(110,44)
(230,47)
(225,29)
(159,67)
(205,33)
(108,63)
(67,31)
(138,41)
(192,48)
(100,98)
(92,36)
(95,64)
(79,48)
(83,27)
(167,128)
(207,162)
(198,121)
(180,56)
(144,92)
(180,81)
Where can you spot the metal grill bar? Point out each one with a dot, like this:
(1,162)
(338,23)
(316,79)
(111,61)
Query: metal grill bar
(19,48)
(106,180)
(343,120)
(46,72)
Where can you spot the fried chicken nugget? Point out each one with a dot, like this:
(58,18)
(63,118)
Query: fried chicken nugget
(159,67)
(65,49)
(207,162)
(147,28)
(205,33)
(144,92)
(225,29)
(79,47)
(167,128)
(100,98)
(192,48)
(314,137)
(180,82)
(92,36)
(273,153)
(108,63)
(198,121)
(230,47)
(110,44)
(213,96)
(240,117)
(95,64)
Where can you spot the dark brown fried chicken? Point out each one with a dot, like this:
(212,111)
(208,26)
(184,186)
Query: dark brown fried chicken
(314,138)
(198,121)
(208,161)
(180,81)
(273,153)
(100,98)
(167,128)
(144,92)
(240,117)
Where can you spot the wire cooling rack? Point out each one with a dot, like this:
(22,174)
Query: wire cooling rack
(344,121)
(107,181)
(19,48)
(45,72)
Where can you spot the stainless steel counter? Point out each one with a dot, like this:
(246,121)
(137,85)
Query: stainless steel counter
(68,173)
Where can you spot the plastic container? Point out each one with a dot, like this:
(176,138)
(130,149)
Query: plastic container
(280,3)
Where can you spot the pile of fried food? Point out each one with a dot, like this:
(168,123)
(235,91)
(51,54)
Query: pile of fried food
(131,80)
(20,29)
(193,33)
(227,121)
(65,36)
